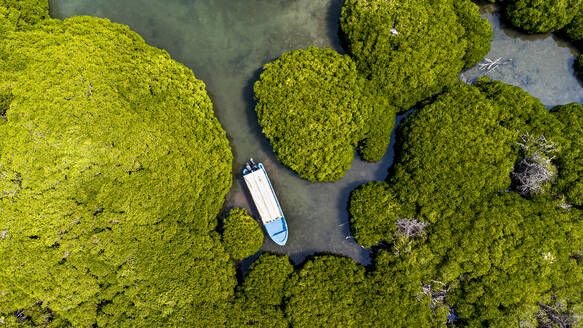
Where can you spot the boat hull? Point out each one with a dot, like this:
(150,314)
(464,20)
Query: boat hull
(267,204)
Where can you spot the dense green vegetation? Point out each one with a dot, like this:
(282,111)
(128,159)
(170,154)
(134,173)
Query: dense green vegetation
(314,108)
(477,32)
(540,16)
(259,298)
(462,148)
(19,14)
(242,235)
(500,256)
(413,49)
(316,105)
(113,170)
(575,28)
(579,65)
(327,290)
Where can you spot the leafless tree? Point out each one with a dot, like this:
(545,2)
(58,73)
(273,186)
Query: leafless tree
(407,229)
(410,228)
(540,144)
(437,296)
(554,316)
(536,167)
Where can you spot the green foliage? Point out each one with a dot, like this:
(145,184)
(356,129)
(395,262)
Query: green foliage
(567,130)
(477,31)
(314,109)
(454,151)
(329,291)
(373,211)
(113,170)
(426,54)
(541,16)
(575,28)
(19,14)
(512,254)
(260,297)
(265,280)
(242,236)
(379,126)
(497,255)
(5,100)
(395,297)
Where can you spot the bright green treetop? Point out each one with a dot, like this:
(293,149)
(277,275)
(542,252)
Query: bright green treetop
(242,236)
(541,16)
(314,108)
(506,257)
(19,14)
(413,49)
(112,171)
(260,297)
(477,31)
(328,291)
(567,130)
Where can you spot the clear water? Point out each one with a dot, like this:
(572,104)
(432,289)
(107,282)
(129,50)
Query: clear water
(542,64)
(226,42)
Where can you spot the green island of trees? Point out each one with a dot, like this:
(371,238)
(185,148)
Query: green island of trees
(543,16)
(413,49)
(113,169)
(315,108)
(316,105)
(537,16)
(242,235)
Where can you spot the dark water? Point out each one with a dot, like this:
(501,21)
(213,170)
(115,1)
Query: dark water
(226,42)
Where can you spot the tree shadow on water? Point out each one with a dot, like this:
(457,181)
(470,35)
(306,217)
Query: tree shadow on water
(335,33)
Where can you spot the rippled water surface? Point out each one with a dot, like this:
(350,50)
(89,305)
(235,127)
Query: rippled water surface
(226,42)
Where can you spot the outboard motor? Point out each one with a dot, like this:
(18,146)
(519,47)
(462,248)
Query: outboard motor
(253,164)
(248,167)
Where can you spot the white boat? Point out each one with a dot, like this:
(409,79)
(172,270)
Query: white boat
(266,201)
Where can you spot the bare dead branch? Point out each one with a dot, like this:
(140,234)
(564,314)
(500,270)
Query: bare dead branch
(555,315)
(564,205)
(536,167)
(437,296)
(531,144)
(410,228)
(489,65)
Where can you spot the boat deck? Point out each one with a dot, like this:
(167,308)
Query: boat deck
(263,196)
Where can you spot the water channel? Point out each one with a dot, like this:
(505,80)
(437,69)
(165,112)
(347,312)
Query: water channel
(226,42)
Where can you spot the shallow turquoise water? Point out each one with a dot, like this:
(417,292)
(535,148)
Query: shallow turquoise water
(226,42)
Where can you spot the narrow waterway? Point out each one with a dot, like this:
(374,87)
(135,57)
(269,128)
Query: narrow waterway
(226,42)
